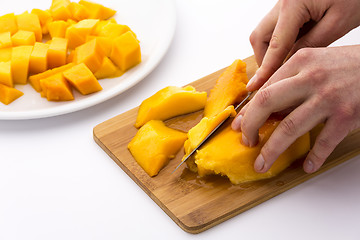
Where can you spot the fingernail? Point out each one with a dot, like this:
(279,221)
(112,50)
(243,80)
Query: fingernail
(251,82)
(244,140)
(259,163)
(236,123)
(309,166)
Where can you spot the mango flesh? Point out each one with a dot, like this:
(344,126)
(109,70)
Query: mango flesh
(9,94)
(225,155)
(154,145)
(5,40)
(230,88)
(170,102)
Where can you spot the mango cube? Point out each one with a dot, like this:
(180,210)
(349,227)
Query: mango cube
(5,74)
(38,58)
(23,37)
(113,30)
(30,22)
(56,88)
(5,54)
(58,28)
(78,11)
(107,70)
(9,94)
(59,10)
(82,79)
(126,51)
(8,23)
(20,59)
(5,40)
(90,53)
(77,33)
(105,43)
(97,11)
(154,145)
(44,18)
(57,52)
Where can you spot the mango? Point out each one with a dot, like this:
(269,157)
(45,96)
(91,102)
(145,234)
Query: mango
(38,58)
(5,40)
(23,37)
(224,154)
(97,11)
(5,74)
(105,43)
(107,70)
(59,10)
(99,27)
(77,33)
(9,94)
(126,51)
(90,53)
(30,22)
(44,18)
(170,102)
(5,54)
(78,12)
(34,80)
(229,89)
(82,79)
(58,28)
(8,23)
(112,30)
(57,52)
(56,88)
(154,145)
(20,59)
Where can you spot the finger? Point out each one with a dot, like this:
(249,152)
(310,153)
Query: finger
(291,18)
(236,123)
(274,98)
(325,143)
(261,36)
(293,126)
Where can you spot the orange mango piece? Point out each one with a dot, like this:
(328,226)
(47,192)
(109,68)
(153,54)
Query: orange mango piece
(96,31)
(20,59)
(77,33)
(38,58)
(57,52)
(113,30)
(5,40)
(97,11)
(44,18)
(58,28)
(34,80)
(8,23)
(5,74)
(9,94)
(82,79)
(23,37)
(90,53)
(56,88)
(105,43)
(30,22)
(107,70)
(78,12)
(59,10)
(5,54)
(154,145)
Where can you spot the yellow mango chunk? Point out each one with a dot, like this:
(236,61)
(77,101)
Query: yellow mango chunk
(34,80)
(113,30)
(230,88)
(90,53)
(8,23)
(56,88)
(105,43)
(224,154)
(30,22)
(59,10)
(38,58)
(20,59)
(5,40)
(5,54)
(98,11)
(58,28)
(78,12)
(5,74)
(57,52)
(154,145)
(23,37)
(9,94)
(170,102)
(126,51)
(82,79)
(44,18)
(77,33)
(97,30)
(107,70)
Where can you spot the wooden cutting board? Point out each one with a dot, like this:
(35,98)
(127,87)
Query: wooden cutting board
(194,203)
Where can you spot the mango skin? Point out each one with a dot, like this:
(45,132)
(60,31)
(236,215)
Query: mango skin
(154,145)
(170,102)
(225,155)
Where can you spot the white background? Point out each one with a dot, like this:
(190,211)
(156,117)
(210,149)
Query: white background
(56,183)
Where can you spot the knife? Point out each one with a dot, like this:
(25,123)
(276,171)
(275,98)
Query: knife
(214,130)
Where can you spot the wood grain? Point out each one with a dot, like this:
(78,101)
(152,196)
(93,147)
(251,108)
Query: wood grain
(194,203)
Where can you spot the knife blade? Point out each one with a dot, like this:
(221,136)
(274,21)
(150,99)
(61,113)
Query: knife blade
(213,131)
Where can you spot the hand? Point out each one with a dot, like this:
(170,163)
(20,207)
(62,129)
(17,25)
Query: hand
(315,85)
(294,24)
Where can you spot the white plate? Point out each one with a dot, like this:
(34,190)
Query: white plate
(153,21)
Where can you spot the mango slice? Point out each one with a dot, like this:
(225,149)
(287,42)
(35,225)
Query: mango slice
(154,145)
(23,37)
(20,59)
(78,12)
(38,58)
(5,74)
(170,102)
(82,79)
(225,155)
(56,88)
(5,40)
(44,18)
(58,28)
(90,53)
(8,23)
(30,22)
(107,70)
(230,88)
(97,11)
(57,52)
(59,9)
(77,33)
(5,54)
(9,94)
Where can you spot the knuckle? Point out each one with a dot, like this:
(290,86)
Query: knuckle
(303,55)
(288,126)
(263,97)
